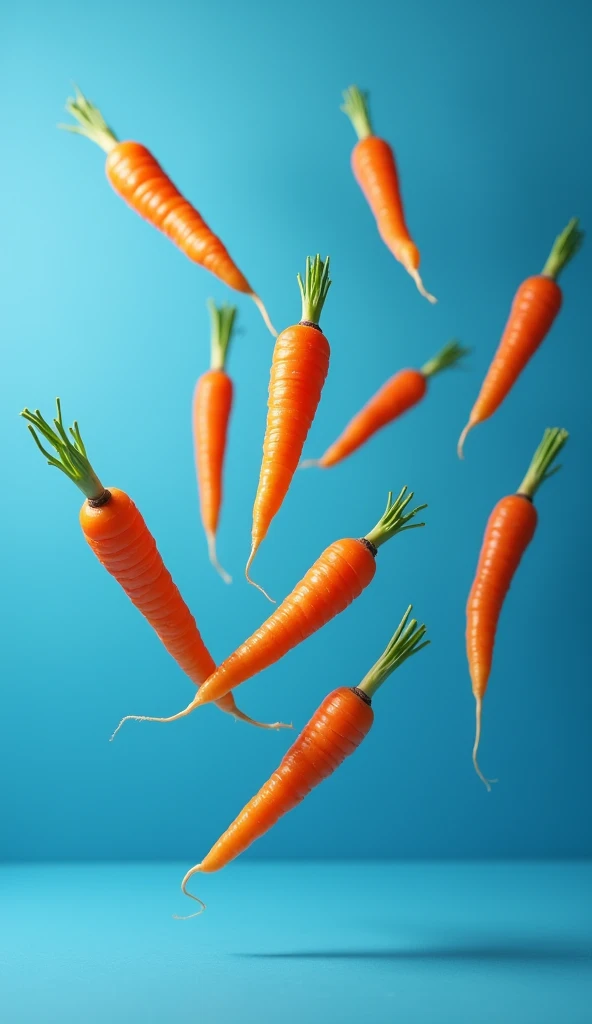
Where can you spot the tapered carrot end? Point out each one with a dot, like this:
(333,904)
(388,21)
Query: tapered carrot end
(241,717)
(261,307)
(185,890)
(309,463)
(420,285)
(248,578)
(211,538)
(461,441)
(486,782)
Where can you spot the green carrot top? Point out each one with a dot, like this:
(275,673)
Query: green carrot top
(90,122)
(406,642)
(222,320)
(540,470)
(564,249)
(394,519)
(355,105)
(314,288)
(71,453)
(448,356)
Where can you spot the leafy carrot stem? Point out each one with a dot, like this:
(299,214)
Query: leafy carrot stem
(406,641)
(314,289)
(449,356)
(71,453)
(564,249)
(394,518)
(91,122)
(355,105)
(540,470)
(222,320)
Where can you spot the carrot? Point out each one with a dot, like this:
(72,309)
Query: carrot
(375,171)
(138,178)
(340,575)
(335,731)
(536,304)
(400,393)
(298,371)
(115,530)
(509,531)
(212,403)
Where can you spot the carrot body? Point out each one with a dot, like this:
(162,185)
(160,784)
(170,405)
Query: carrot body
(333,733)
(212,405)
(404,390)
(509,531)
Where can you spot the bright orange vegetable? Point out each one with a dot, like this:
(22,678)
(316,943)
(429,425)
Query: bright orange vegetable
(139,179)
(375,170)
(340,575)
(404,390)
(535,306)
(212,404)
(115,530)
(509,531)
(333,733)
(298,371)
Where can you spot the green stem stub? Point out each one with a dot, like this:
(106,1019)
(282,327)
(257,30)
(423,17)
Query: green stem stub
(222,319)
(540,470)
(407,641)
(71,453)
(355,105)
(564,249)
(90,122)
(449,356)
(314,288)
(394,519)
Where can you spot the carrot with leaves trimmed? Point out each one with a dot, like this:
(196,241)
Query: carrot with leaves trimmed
(138,178)
(536,304)
(400,393)
(336,579)
(212,405)
(116,532)
(509,531)
(334,732)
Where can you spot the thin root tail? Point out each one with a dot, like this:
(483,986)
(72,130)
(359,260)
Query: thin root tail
(241,717)
(309,463)
(420,285)
(478,714)
(185,890)
(146,718)
(248,578)
(461,441)
(214,558)
(261,307)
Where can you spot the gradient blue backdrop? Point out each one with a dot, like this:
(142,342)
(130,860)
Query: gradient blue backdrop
(488,108)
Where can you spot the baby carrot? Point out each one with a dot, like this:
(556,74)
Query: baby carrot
(340,575)
(212,404)
(117,534)
(298,371)
(333,733)
(138,178)
(400,393)
(536,304)
(375,170)
(508,533)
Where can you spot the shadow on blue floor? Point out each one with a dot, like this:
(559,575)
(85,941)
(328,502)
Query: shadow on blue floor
(527,951)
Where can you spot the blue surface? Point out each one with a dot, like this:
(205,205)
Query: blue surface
(326,943)
(488,107)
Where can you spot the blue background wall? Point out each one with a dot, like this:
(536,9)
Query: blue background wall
(488,107)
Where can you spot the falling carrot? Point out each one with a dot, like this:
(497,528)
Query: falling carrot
(212,404)
(138,178)
(334,732)
(509,531)
(336,579)
(536,304)
(298,371)
(404,390)
(375,171)
(115,530)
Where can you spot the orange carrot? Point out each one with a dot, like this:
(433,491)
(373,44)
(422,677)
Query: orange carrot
(298,371)
(535,306)
(333,733)
(509,531)
(138,178)
(119,537)
(400,393)
(375,171)
(340,575)
(212,403)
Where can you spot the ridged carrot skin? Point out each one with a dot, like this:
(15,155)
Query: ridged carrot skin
(333,733)
(336,579)
(375,170)
(534,309)
(298,371)
(403,391)
(508,533)
(116,532)
(136,176)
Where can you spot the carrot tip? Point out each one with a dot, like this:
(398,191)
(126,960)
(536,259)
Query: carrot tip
(462,439)
(252,582)
(185,890)
(309,463)
(211,537)
(478,712)
(420,285)
(266,320)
